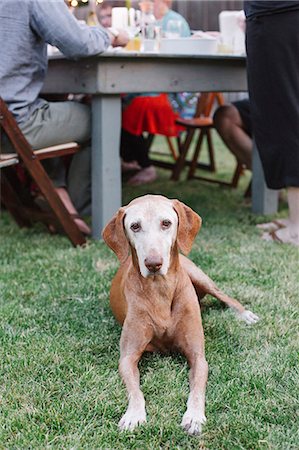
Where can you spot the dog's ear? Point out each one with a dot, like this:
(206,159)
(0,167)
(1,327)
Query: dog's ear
(188,227)
(114,235)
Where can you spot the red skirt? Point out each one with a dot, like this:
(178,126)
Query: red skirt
(152,114)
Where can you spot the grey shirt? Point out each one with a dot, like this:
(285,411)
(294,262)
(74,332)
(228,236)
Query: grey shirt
(26,26)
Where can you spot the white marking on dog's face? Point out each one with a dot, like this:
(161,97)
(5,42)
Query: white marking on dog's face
(151,227)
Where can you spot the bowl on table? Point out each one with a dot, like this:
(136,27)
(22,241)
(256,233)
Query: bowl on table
(189,46)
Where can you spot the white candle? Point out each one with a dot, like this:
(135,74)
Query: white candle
(119,17)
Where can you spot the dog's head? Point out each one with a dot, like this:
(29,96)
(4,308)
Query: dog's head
(152,225)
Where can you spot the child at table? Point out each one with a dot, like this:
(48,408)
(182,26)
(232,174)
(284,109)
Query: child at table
(151,113)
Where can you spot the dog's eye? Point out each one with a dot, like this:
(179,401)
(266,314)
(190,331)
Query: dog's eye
(135,227)
(165,224)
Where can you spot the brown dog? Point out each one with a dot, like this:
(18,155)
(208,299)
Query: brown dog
(154,295)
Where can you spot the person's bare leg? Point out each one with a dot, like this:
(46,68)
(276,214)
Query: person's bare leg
(293,201)
(66,200)
(228,123)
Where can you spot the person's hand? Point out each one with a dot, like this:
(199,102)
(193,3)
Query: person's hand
(119,38)
(122,39)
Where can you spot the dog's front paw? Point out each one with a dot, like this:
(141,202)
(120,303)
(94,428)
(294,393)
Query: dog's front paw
(249,317)
(192,423)
(131,419)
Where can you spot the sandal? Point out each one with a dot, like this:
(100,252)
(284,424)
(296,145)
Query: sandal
(273,226)
(272,236)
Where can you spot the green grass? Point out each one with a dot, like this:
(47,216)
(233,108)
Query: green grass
(59,386)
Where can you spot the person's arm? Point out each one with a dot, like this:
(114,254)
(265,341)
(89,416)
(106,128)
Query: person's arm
(53,22)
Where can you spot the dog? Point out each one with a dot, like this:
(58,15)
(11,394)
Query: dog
(155,297)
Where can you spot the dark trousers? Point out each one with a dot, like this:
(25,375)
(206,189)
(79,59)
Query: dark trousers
(273,81)
(134,148)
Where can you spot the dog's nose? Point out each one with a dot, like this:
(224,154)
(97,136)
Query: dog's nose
(153,263)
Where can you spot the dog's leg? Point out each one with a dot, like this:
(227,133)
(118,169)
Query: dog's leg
(134,340)
(194,416)
(190,338)
(203,284)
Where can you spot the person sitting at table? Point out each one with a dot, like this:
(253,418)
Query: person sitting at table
(164,14)
(150,113)
(104,12)
(233,123)
(23,55)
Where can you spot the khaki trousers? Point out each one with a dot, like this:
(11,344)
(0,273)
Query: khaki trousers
(58,123)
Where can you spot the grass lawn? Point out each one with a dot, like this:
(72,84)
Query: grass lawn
(59,386)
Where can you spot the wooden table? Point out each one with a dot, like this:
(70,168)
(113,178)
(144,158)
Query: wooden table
(107,76)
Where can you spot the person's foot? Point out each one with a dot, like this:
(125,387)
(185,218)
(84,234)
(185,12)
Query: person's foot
(144,176)
(128,166)
(83,227)
(285,235)
(66,200)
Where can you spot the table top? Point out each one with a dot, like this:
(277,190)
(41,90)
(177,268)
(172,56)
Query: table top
(153,55)
(131,72)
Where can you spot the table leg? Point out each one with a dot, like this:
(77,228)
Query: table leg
(106,173)
(264,200)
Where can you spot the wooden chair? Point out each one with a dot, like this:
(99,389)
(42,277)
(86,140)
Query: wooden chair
(16,195)
(202,122)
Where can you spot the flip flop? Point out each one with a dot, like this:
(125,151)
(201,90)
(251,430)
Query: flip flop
(272,226)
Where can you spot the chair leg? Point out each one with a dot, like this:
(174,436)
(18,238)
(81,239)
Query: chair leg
(236,176)
(211,151)
(12,202)
(193,165)
(247,193)
(183,150)
(171,148)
